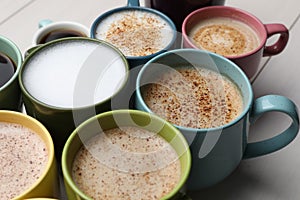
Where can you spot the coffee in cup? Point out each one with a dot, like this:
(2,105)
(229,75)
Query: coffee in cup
(77,78)
(140,33)
(125,154)
(234,33)
(193,97)
(66,67)
(136,32)
(60,33)
(7,68)
(28,167)
(49,31)
(24,161)
(210,100)
(131,158)
(10,64)
(224,36)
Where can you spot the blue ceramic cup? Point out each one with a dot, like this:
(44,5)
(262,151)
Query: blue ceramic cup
(144,37)
(216,152)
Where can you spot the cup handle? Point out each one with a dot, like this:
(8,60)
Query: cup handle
(133,3)
(44,22)
(267,104)
(280,44)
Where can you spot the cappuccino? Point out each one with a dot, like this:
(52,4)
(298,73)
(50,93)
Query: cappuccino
(126,163)
(23,158)
(193,97)
(136,32)
(74,73)
(224,36)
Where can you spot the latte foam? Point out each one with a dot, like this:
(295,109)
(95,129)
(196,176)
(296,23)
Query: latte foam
(136,32)
(126,163)
(194,97)
(224,36)
(23,159)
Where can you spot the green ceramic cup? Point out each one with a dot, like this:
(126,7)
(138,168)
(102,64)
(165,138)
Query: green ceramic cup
(10,93)
(61,120)
(119,118)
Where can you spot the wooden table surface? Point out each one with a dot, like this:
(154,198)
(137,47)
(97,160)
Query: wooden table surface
(272,177)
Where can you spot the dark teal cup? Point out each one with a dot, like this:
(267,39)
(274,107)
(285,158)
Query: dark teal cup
(10,92)
(216,152)
(133,5)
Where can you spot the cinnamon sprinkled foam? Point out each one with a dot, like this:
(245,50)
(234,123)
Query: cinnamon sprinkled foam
(194,97)
(23,158)
(136,32)
(126,163)
(225,36)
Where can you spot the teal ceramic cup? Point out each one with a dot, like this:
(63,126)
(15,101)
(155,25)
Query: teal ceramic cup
(118,119)
(10,93)
(216,152)
(145,43)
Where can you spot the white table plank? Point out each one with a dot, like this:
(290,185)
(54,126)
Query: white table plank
(275,11)
(9,8)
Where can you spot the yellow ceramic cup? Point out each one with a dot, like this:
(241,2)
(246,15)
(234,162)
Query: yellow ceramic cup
(40,199)
(47,184)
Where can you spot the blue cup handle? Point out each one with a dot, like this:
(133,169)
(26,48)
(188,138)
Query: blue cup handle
(44,22)
(267,104)
(133,3)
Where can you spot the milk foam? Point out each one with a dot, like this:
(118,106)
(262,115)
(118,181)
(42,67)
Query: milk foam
(136,32)
(194,97)
(126,163)
(74,74)
(23,159)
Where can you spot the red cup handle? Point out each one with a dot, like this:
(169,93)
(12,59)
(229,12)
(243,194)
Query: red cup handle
(280,44)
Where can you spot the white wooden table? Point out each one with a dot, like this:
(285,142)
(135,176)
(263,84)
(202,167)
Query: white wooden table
(272,177)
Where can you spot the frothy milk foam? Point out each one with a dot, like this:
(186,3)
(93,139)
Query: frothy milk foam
(136,32)
(74,74)
(23,159)
(126,163)
(194,97)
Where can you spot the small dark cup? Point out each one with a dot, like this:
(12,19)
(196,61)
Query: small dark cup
(177,10)
(10,93)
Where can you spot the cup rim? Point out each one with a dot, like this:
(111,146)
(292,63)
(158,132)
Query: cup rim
(19,60)
(231,9)
(68,177)
(51,155)
(247,103)
(36,101)
(98,19)
(58,25)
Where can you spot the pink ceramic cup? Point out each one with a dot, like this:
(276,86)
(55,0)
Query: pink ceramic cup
(248,62)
